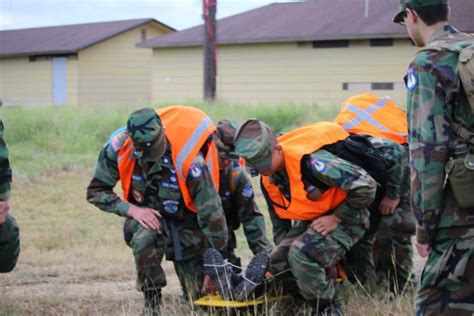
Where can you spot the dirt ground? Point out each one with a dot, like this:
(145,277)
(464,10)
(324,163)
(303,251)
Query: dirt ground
(74,261)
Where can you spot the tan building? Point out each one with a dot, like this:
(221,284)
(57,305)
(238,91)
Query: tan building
(300,52)
(83,64)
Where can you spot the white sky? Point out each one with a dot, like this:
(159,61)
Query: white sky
(180,14)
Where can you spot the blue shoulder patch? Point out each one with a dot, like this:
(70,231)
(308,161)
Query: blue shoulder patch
(318,166)
(195,171)
(247,191)
(411,79)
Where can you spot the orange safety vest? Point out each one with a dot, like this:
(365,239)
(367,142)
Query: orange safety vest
(187,129)
(375,116)
(295,144)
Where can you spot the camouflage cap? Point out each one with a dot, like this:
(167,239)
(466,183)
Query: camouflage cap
(225,134)
(415,4)
(145,128)
(254,142)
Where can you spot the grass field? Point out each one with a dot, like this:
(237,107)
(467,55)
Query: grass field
(73,258)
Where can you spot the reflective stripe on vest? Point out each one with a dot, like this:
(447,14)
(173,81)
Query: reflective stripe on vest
(375,116)
(295,144)
(188,129)
(189,146)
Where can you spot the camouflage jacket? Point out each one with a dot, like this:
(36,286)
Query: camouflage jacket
(238,201)
(154,185)
(434,100)
(9,244)
(394,155)
(5,172)
(330,171)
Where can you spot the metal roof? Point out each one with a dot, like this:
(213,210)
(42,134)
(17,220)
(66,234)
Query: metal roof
(64,39)
(311,21)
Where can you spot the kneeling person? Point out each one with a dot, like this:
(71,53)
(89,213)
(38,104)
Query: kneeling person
(170,200)
(327,198)
(237,196)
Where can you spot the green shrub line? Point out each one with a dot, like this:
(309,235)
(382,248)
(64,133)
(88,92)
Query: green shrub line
(44,138)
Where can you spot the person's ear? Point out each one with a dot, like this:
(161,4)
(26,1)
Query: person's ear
(412,15)
(278,147)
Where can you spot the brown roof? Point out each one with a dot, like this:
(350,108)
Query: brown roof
(64,39)
(311,21)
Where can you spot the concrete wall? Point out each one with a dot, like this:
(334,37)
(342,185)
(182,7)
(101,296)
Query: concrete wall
(25,83)
(115,71)
(286,72)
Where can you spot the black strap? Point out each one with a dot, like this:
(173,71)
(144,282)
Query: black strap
(178,251)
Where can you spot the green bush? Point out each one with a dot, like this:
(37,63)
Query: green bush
(51,137)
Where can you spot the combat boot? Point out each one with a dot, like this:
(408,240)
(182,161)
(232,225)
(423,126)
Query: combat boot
(152,302)
(252,277)
(220,273)
(330,307)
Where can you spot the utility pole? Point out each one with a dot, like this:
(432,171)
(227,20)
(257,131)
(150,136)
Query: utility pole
(210,49)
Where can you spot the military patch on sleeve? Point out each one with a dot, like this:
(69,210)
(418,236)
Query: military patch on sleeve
(318,166)
(247,191)
(411,79)
(195,171)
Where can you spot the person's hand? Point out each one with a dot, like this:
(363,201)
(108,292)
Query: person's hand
(146,217)
(208,286)
(423,250)
(4,208)
(325,224)
(387,206)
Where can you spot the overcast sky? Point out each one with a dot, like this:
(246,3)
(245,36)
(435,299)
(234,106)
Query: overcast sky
(180,14)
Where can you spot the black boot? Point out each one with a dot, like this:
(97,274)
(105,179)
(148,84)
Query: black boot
(253,276)
(152,302)
(220,272)
(329,307)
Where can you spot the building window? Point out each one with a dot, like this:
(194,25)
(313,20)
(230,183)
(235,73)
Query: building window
(382,85)
(38,58)
(331,44)
(367,86)
(381,42)
(34,58)
(143,35)
(303,44)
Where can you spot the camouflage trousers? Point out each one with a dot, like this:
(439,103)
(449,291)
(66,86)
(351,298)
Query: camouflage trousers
(9,244)
(393,250)
(149,248)
(447,280)
(359,262)
(308,254)
(191,277)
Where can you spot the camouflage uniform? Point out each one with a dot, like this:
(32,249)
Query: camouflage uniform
(434,101)
(183,234)
(392,247)
(9,231)
(299,248)
(359,263)
(239,205)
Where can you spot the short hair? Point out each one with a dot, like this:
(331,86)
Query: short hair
(433,14)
